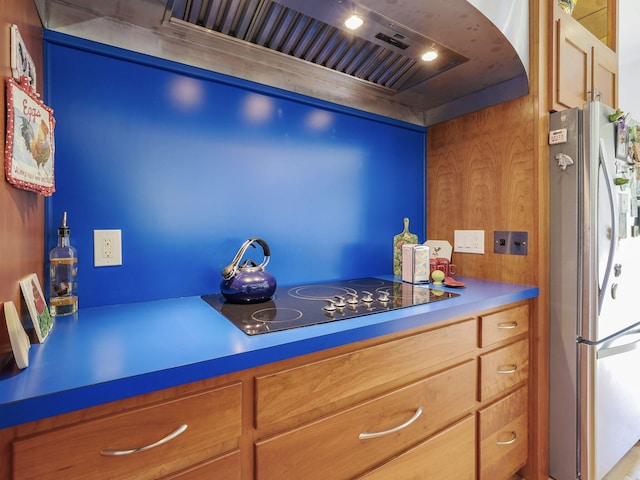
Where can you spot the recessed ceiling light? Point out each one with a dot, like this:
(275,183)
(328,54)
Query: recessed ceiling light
(430,56)
(354,22)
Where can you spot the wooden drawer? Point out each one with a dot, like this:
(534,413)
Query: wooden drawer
(213,419)
(316,388)
(503,436)
(226,467)
(448,455)
(332,447)
(503,368)
(503,325)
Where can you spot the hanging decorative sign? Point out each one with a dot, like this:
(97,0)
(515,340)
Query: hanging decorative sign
(21,61)
(29,147)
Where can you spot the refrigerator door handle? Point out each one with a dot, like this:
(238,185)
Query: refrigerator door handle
(614,227)
(608,351)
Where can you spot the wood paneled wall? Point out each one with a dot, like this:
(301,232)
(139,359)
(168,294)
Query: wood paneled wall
(480,176)
(21,212)
(488,171)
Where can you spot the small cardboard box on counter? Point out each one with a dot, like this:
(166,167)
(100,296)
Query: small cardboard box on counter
(415,263)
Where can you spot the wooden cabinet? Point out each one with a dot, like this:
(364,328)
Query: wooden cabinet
(142,443)
(503,424)
(504,362)
(447,400)
(311,390)
(582,69)
(503,325)
(341,416)
(449,454)
(311,418)
(358,438)
(503,436)
(227,467)
(503,368)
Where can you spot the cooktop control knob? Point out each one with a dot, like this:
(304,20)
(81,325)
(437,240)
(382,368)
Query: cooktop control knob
(339,301)
(330,305)
(383,296)
(367,297)
(352,298)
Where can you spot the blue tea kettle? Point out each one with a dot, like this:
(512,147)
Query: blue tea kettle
(248,282)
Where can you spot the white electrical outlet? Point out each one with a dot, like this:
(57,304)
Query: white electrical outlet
(107,248)
(468,241)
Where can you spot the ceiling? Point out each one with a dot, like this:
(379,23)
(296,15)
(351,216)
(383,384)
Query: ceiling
(302,46)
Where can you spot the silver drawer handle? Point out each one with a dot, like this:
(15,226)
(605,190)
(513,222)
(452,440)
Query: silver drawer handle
(508,369)
(508,325)
(508,442)
(111,452)
(416,415)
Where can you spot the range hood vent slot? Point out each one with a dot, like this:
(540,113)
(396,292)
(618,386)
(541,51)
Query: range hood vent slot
(383,59)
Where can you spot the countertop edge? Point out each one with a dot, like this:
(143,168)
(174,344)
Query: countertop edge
(56,403)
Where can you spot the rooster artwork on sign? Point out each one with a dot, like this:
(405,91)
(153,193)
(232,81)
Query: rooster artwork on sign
(37,143)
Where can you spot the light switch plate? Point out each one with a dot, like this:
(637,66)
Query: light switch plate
(511,243)
(468,241)
(107,248)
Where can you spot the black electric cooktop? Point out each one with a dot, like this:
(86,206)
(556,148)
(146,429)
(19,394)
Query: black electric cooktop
(300,306)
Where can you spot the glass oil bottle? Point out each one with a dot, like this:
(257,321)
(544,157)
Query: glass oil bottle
(63,270)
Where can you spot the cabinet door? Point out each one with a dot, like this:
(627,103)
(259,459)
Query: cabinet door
(503,368)
(503,436)
(319,388)
(342,445)
(573,63)
(605,74)
(503,325)
(226,467)
(194,428)
(448,455)
(583,68)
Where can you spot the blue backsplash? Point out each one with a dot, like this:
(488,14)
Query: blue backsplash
(189,163)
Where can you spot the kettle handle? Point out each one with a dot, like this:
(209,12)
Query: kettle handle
(230,270)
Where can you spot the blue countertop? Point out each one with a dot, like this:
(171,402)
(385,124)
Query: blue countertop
(103,354)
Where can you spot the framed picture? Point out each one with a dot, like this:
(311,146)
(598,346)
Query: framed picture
(29,147)
(622,141)
(21,62)
(20,343)
(37,306)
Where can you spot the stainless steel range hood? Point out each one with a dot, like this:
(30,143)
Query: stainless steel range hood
(303,46)
(381,51)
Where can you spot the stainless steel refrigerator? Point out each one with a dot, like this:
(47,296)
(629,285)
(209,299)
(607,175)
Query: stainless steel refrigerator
(594,295)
